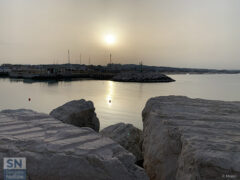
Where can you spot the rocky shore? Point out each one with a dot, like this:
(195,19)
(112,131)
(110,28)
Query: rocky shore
(127,136)
(142,77)
(182,139)
(80,113)
(186,139)
(58,151)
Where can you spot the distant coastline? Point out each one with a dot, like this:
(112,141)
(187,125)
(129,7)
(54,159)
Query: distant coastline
(108,72)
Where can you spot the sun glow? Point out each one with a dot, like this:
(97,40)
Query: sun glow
(110,39)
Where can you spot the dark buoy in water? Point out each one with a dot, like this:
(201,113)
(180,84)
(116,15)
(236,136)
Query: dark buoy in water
(29,99)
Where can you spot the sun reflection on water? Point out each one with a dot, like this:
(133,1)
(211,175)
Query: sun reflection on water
(110,93)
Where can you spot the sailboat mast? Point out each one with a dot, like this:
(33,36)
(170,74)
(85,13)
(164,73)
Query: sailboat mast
(68,57)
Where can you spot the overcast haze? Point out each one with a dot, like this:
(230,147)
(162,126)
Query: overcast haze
(179,33)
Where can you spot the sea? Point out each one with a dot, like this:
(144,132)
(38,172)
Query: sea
(114,101)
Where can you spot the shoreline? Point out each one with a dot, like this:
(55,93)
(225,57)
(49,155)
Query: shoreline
(186,129)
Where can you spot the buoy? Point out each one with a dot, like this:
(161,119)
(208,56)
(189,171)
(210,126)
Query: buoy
(29,99)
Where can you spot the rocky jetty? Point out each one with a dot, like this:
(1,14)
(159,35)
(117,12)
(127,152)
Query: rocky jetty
(186,139)
(58,151)
(142,77)
(80,113)
(127,136)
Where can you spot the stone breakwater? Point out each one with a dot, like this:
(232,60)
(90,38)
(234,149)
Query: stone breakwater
(58,151)
(186,139)
(142,77)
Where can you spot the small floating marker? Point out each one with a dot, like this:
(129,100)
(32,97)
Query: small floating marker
(29,99)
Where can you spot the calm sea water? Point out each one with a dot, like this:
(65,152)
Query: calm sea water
(127,99)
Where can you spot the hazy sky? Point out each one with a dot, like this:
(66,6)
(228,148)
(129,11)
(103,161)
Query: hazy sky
(179,33)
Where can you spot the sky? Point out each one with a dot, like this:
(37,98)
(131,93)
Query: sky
(177,33)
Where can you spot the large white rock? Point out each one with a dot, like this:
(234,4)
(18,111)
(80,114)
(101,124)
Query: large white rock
(80,113)
(58,151)
(127,136)
(191,139)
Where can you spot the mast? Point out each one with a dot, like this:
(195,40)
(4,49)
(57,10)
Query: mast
(141,66)
(68,57)
(80,58)
(89,60)
(110,58)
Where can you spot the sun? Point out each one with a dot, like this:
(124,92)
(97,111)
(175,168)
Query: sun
(110,39)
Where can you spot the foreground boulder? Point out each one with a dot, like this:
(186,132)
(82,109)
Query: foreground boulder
(127,136)
(79,113)
(188,139)
(142,77)
(58,151)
